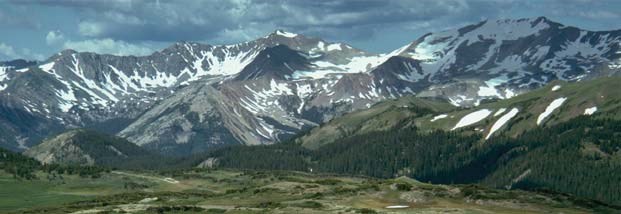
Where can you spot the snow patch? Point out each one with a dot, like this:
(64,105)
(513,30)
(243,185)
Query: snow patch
(397,207)
(147,200)
(472,118)
(442,116)
(67,99)
(590,111)
(502,121)
(509,93)
(47,67)
(553,106)
(286,34)
(556,88)
(459,100)
(499,112)
(358,64)
(303,91)
(490,89)
(333,47)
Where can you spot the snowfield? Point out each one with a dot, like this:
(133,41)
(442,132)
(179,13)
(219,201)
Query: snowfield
(397,207)
(499,112)
(502,121)
(442,116)
(590,111)
(286,34)
(472,118)
(553,106)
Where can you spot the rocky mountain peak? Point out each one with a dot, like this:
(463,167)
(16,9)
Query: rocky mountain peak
(185,47)
(277,62)
(283,33)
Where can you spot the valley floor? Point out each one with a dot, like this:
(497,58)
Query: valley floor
(223,191)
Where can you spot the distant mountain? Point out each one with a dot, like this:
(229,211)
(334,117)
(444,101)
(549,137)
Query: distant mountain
(191,97)
(8,69)
(508,57)
(85,147)
(17,64)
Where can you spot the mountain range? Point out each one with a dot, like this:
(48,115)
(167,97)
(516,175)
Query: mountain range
(191,97)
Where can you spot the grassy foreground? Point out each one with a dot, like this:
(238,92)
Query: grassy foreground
(222,191)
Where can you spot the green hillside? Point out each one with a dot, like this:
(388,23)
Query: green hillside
(386,115)
(569,151)
(601,93)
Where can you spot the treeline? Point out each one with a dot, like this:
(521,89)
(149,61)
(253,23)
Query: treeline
(282,156)
(17,164)
(23,167)
(581,157)
(113,152)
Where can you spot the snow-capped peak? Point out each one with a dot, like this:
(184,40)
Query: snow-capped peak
(285,33)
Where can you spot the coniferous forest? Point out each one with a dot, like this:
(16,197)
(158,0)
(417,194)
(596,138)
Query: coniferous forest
(579,157)
(23,167)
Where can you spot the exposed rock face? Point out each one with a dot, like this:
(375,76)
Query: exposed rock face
(190,97)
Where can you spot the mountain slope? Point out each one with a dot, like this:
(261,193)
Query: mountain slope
(558,102)
(385,115)
(562,137)
(84,147)
(508,57)
(578,157)
(72,89)
(271,88)
(269,100)
(285,101)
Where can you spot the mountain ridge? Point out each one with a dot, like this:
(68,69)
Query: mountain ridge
(488,60)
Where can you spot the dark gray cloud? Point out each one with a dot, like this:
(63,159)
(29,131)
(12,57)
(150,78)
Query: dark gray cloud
(208,20)
(13,17)
(376,25)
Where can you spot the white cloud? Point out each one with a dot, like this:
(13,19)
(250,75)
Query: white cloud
(7,52)
(88,28)
(123,18)
(28,54)
(228,36)
(109,46)
(599,14)
(54,37)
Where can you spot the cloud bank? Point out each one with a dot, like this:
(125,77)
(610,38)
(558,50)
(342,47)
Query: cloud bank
(376,25)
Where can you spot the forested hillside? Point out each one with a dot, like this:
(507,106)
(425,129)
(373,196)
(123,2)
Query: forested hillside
(23,167)
(580,157)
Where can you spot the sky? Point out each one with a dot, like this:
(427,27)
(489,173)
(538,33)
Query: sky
(35,30)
